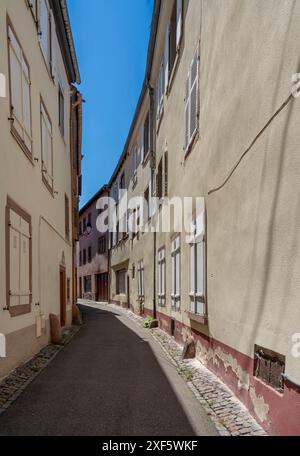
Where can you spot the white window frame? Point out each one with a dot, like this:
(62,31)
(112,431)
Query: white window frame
(141,278)
(197,267)
(176,273)
(190,85)
(162,277)
(21,122)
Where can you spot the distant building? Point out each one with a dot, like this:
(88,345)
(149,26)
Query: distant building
(92,255)
(40,173)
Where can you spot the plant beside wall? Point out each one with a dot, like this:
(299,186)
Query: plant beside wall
(147,322)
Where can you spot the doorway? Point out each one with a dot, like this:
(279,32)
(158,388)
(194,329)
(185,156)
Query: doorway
(63,296)
(102,287)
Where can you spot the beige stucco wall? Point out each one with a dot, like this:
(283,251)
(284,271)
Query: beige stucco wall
(22,181)
(248,54)
(253,227)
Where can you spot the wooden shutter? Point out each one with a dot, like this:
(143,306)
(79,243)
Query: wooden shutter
(179,22)
(194,95)
(166,59)
(53,48)
(15,57)
(166,174)
(26,104)
(187,111)
(44,29)
(19,260)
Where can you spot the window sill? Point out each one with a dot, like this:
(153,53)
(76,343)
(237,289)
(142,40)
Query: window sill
(21,143)
(203,319)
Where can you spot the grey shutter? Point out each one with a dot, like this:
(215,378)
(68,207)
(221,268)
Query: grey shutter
(178,22)
(53,49)
(166,59)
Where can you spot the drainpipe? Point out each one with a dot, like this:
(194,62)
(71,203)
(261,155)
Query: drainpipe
(153,167)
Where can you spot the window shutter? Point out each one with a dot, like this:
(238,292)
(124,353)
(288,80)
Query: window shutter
(200,276)
(26,105)
(15,56)
(194,96)
(187,111)
(179,23)
(166,59)
(166,174)
(53,49)
(44,29)
(163,285)
(142,143)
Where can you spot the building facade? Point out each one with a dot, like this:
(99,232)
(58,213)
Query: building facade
(40,118)
(216,122)
(92,260)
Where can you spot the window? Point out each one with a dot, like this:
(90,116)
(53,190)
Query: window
(90,254)
(172,40)
(84,257)
(19,258)
(67,218)
(122,182)
(269,367)
(147,205)
(191,102)
(20,102)
(61,111)
(120,282)
(84,225)
(197,269)
(80,258)
(159,180)
(162,277)
(88,284)
(160,91)
(80,228)
(102,245)
(141,291)
(162,177)
(134,164)
(90,220)
(146,138)
(176,276)
(47,148)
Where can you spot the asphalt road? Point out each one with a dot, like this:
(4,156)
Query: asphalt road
(112,379)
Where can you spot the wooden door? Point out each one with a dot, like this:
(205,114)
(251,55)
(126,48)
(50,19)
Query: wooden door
(63,296)
(102,287)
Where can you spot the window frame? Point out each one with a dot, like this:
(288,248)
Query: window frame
(61,115)
(13,118)
(118,273)
(21,309)
(176,287)
(161,260)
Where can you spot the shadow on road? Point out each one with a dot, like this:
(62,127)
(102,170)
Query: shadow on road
(106,382)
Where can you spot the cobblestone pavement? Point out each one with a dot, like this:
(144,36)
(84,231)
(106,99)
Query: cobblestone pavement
(229,415)
(15,383)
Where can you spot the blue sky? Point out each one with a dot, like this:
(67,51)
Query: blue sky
(111,38)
